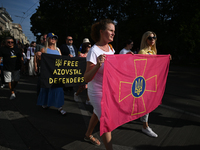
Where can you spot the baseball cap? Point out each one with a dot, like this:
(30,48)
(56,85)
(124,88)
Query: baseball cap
(52,35)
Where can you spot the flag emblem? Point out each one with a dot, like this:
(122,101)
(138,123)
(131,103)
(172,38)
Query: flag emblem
(139,86)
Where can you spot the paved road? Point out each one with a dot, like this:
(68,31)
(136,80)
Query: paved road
(26,126)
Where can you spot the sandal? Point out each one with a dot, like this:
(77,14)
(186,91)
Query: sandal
(62,111)
(93,140)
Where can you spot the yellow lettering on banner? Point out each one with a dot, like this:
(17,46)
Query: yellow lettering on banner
(82,79)
(67,71)
(58,71)
(79,71)
(67,80)
(50,80)
(62,71)
(63,80)
(55,80)
(68,63)
(76,63)
(54,72)
(75,79)
(65,62)
(75,70)
(72,64)
(70,72)
(60,80)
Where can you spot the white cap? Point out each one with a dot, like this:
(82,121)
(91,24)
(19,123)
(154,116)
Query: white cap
(86,40)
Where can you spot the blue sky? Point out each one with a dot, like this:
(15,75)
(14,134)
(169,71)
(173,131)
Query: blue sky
(21,11)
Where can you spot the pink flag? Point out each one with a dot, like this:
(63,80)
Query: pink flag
(133,85)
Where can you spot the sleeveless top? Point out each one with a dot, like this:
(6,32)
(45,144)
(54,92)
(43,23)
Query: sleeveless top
(54,52)
(146,51)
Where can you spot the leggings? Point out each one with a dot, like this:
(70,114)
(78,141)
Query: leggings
(144,118)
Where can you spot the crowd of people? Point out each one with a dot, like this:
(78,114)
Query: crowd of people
(27,59)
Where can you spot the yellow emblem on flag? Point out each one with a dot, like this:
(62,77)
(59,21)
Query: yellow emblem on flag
(138,86)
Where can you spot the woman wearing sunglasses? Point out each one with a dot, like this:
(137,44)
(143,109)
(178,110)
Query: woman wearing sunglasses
(148,46)
(148,43)
(51,96)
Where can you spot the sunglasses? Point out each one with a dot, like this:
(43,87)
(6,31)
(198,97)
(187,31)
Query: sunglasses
(10,42)
(70,39)
(89,46)
(150,38)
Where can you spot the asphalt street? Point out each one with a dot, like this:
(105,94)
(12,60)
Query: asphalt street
(26,126)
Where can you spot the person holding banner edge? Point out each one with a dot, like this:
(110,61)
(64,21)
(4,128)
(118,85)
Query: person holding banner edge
(102,33)
(84,51)
(51,96)
(37,59)
(145,44)
(148,46)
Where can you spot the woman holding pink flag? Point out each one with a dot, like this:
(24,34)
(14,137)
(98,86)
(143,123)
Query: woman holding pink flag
(148,47)
(102,33)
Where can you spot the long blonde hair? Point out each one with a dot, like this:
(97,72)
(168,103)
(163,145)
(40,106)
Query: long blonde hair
(46,44)
(144,44)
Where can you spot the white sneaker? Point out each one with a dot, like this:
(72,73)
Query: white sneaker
(149,132)
(2,86)
(12,96)
(76,98)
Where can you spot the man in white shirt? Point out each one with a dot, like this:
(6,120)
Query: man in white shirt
(30,57)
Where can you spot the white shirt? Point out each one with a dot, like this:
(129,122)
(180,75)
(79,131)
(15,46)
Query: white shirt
(95,85)
(124,51)
(30,52)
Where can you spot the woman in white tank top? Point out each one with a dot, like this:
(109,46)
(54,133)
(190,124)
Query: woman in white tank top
(102,33)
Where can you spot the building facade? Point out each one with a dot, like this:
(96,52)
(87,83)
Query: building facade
(7,25)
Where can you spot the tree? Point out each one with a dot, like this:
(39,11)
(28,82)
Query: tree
(73,16)
(175,22)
